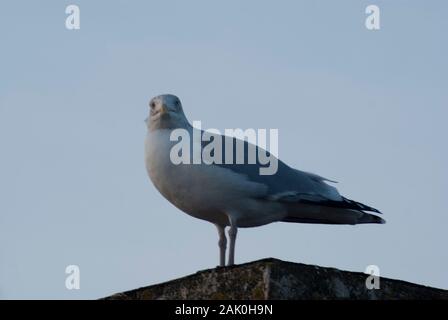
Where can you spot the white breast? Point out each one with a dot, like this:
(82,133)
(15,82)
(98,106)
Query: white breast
(203,191)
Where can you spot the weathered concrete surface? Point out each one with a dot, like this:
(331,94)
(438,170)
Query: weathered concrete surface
(276,279)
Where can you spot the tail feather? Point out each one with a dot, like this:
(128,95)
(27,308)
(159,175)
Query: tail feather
(370,218)
(366,218)
(344,204)
(329,215)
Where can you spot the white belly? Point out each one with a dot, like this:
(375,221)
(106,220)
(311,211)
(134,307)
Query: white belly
(206,192)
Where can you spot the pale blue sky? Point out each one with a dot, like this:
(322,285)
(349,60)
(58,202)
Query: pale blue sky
(366,108)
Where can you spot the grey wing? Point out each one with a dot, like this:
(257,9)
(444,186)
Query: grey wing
(286,184)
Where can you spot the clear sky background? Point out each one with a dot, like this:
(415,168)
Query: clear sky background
(366,108)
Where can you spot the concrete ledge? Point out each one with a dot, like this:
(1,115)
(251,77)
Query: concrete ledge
(275,279)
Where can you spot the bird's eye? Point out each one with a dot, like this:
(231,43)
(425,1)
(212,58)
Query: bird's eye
(177,103)
(152,105)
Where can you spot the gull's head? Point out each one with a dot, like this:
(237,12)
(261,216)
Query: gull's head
(165,112)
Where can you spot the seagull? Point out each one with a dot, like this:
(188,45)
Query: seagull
(236,195)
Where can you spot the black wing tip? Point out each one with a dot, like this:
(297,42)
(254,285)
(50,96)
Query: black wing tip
(359,206)
(345,203)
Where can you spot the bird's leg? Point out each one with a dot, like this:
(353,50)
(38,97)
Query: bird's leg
(232,236)
(222,243)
